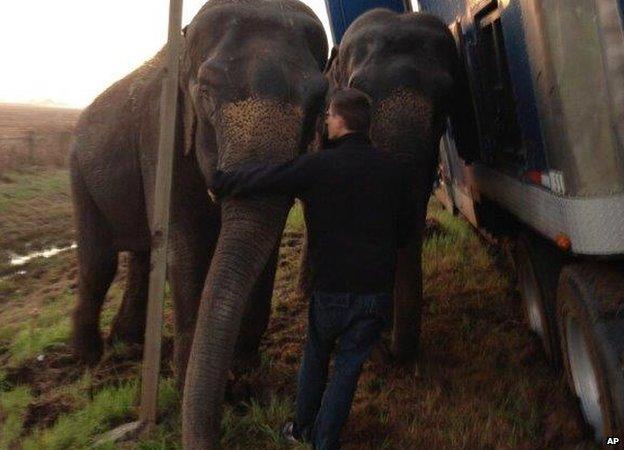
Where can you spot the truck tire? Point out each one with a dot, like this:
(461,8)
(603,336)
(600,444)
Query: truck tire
(590,310)
(537,269)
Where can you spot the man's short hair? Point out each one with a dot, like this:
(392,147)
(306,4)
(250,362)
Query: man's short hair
(354,106)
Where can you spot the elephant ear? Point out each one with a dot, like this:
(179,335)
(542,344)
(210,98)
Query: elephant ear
(189,116)
(332,56)
(331,71)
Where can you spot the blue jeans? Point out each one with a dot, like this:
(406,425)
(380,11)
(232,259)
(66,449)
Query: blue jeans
(354,322)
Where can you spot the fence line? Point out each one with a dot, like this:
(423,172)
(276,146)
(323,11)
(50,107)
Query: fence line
(33,148)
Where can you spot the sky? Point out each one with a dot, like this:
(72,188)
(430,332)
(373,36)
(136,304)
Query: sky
(66,52)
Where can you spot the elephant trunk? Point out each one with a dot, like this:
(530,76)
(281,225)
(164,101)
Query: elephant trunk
(250,230)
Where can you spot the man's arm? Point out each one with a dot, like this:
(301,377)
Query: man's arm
(291,177)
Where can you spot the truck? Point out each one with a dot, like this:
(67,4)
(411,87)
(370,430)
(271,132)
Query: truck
(546,170)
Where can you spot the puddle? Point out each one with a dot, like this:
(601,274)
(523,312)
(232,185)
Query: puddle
(17,260)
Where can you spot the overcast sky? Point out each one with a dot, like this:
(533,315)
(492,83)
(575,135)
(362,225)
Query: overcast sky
(68,51)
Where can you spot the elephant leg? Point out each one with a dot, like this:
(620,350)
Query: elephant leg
(97,271)
(408,299)
(189,259)
(97,261)
(257,313)
(129,323)
(304,281)
(408,285)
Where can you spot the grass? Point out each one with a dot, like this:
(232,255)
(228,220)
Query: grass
(257,423)
(35,309)
(12,407)
(483,381)
(108,408)
(295,221)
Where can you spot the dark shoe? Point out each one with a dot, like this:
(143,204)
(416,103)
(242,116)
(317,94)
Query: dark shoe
(289,435)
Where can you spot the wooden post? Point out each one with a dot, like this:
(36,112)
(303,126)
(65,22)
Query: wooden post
(160,222)
(160,231)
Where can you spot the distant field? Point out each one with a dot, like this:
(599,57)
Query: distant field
(34,135)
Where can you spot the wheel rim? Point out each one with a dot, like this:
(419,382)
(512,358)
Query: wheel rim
(532,299)
(584,376)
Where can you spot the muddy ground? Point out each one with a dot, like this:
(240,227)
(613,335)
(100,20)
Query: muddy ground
(482,382)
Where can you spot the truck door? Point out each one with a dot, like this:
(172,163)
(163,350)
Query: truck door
(500,136)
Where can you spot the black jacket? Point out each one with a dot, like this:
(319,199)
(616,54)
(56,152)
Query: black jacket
(357,210)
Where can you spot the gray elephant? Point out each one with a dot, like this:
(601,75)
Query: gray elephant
(408,64)
(251,88)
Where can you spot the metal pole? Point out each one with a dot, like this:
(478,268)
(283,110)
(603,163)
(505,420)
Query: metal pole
(160,222)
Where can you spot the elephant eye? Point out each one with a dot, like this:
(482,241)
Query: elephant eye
(204,90)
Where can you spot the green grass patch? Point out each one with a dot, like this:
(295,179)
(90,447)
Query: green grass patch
(33,341)
(28,185)
(257,424)
(109,408)
(245,426)
(454,258)
(42,328)
(12,408)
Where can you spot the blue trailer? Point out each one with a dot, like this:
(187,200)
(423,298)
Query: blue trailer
(546,80)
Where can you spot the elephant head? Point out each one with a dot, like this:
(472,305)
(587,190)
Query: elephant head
(407,64)
(252,88)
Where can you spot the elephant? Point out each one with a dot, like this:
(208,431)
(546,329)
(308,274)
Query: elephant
(251,88)
(409,65)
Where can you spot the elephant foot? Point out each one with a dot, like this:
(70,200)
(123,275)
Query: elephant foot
(87,345)
(404,357)
(405,350)
(408,362)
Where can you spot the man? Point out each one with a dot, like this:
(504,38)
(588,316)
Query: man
(357,214)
